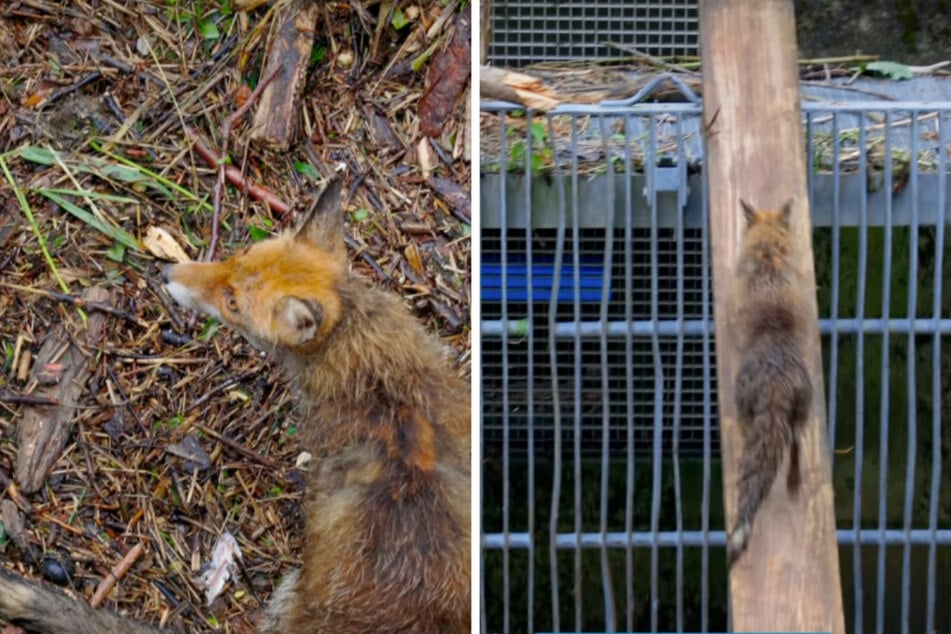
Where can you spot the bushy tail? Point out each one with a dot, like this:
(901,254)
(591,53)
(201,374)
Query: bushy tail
(762,456)
(38,609)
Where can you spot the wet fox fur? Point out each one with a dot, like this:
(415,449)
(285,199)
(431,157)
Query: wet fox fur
(773,388)
(386,538)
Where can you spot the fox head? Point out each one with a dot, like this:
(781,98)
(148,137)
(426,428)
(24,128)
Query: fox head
(779,217)
(278,293)
(767,234)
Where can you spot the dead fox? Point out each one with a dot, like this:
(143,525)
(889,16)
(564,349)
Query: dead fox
(773,388)
(387,530)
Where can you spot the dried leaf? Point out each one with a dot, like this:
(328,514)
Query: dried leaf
(302,459)
(415,262)
(241,95)
(222,565)
(191,450)
(161,244)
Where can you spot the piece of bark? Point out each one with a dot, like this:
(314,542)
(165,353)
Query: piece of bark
(275,122)
(61,371)
(13,525)
(446,79)
(457,198)
(525,90)
(9,223)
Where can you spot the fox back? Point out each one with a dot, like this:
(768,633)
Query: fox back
(386,418)
(773,390)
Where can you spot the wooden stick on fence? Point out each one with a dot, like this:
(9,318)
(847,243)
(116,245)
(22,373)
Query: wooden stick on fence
(788,578)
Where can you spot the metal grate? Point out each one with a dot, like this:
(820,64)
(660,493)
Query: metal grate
(593,407)
(540,30)
(602,504)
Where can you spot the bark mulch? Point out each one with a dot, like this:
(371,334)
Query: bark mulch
(133,434)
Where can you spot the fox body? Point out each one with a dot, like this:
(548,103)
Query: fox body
(386,418)
(773,390)
(383,413)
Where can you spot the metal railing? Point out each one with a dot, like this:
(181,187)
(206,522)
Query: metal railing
(602,498)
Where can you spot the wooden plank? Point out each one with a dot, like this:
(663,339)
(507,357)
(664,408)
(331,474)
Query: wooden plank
(485,30)
(61,371)
(275,121)
(788,578)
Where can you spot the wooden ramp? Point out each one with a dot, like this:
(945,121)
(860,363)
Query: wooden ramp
(788,579)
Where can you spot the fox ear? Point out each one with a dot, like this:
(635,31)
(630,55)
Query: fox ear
(297,320)
(323,223)
(787,210)
(748,211)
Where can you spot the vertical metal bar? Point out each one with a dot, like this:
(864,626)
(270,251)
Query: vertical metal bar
(506,406)
(650,164)
(559,178)
(860,376)
(910,371)
(629,374)
(832,391)
(936,375)
(530,396)
(501,202)
(576,316)
(610,624)
(884,384)
(678,379)
(707,410)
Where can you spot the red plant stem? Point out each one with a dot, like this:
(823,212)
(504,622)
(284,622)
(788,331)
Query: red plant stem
(234,176)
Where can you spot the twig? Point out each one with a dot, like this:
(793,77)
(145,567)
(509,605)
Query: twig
(353,244)
(28,399)
(106,585)
(79,302)
(928,70)
(656,61)
(225,136)
(241,449)
(220,388)
(62,92)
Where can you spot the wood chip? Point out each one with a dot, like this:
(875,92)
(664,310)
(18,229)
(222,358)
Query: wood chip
(43,431)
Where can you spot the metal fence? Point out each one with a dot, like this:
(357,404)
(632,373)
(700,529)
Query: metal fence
(602,494)
(529,31)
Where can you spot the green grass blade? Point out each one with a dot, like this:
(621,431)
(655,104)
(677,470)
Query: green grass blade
(202,201)
(115,233)
(28,212)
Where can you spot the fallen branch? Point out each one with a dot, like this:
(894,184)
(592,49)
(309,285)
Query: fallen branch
(79,302)
(525,90)
(234,176)
(118,571)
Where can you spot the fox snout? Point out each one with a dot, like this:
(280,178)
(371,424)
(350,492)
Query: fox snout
(167,272)
(185,292)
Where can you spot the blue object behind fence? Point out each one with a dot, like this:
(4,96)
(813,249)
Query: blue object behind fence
(590,282)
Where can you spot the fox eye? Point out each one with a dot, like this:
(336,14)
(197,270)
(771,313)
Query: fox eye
(231,301)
